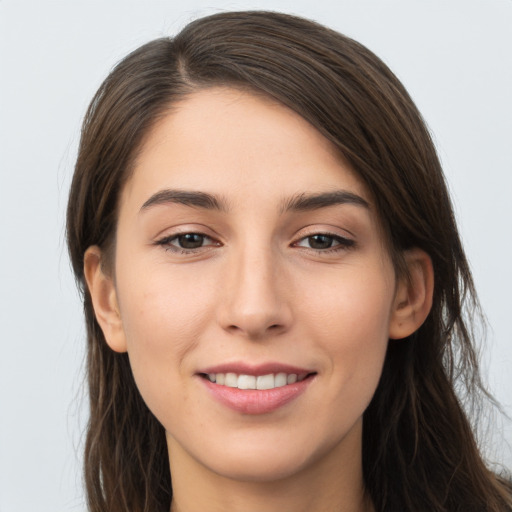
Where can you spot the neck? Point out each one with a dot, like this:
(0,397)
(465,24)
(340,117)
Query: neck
(333,483)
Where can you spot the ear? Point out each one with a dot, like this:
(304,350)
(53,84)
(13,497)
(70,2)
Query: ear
(413,298)
(104,300)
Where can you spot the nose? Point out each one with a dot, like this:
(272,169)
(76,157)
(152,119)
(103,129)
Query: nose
(253,302)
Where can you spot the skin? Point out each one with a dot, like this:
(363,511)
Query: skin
(257,288)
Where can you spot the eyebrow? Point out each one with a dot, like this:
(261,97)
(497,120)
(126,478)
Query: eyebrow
(305,202)
(299,202)
(194,199)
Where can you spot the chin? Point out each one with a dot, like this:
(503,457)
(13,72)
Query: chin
(265,458)
(263,468)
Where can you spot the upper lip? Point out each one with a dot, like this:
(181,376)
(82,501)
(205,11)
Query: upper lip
(242,368)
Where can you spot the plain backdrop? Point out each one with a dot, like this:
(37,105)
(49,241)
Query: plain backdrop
(454,57)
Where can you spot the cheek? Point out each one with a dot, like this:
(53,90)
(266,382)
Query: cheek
(351,301)
(350,320)
(163,317)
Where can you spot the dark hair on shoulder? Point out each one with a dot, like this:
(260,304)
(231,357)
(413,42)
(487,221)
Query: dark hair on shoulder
(419,451)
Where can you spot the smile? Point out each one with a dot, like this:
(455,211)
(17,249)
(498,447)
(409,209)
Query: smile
(254,390)
(261,382)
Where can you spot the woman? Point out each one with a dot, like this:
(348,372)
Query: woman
(273,283)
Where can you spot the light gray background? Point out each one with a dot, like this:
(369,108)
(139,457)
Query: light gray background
(454,58)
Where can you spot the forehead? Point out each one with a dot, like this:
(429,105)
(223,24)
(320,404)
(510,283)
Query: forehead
(237,145)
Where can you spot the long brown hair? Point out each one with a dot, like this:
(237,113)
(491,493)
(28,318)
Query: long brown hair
(419,451)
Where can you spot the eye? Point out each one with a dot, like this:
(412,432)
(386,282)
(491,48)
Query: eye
(325,242)
(189,241)
(186,242)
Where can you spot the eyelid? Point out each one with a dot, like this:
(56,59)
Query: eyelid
(324,229)
(183,229)
(165,241)
(344,243)
(340,239)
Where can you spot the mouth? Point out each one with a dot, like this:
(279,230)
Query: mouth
(256,390)
(259,382)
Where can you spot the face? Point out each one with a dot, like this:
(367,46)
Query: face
(249,255)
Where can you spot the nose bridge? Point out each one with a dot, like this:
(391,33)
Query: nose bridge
(253,302)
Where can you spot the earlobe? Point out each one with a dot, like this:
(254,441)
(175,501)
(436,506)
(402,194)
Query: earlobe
(104,299)
(413,298)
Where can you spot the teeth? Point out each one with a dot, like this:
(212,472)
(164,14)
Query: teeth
(265,382)
(291,378)
(269,381)
(280,380)
(231,380)
(246,382)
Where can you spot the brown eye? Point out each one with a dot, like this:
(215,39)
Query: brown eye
(187,242)
(190,241)
(325,242)
(320,241)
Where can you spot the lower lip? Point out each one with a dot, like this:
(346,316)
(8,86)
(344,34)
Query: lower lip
(255,401)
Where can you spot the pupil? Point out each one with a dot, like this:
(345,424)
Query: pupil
(191,241)
(320,241)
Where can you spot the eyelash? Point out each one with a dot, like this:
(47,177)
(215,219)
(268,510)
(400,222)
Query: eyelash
(166,243)
(342,243)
